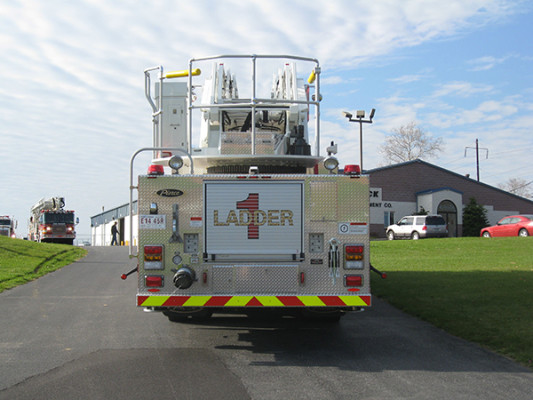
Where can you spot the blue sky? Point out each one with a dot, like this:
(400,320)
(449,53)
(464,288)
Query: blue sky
(72,106)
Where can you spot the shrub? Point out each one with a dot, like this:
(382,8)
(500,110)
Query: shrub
(474,218)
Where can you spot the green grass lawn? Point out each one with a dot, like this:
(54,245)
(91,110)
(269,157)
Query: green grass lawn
(22,261)
(475,288)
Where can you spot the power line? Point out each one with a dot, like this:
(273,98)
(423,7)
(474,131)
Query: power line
(513,151)
(456,160)
(507,171)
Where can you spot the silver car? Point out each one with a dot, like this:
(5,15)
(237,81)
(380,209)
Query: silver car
(417,226)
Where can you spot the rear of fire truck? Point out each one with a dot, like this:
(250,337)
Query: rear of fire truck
(247,216)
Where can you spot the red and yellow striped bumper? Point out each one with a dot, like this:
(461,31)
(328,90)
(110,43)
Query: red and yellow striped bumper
(254,301)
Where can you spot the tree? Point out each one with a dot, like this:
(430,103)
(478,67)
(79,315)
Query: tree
(517,186)
(409,142)
(474,218)
(422,211)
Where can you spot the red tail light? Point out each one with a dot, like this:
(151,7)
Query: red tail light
(153,257)
(353,256)
(354,252)
(153,281)
(153,253)
(424,228)
(354,248)
(353,280)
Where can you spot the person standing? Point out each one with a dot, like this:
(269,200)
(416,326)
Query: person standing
(114,233)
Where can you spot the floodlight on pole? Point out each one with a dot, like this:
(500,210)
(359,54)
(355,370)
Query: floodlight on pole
(359,115)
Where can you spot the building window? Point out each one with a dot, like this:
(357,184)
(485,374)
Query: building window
(388,218)
(446,206)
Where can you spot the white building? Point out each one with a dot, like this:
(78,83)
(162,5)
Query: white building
(101,226)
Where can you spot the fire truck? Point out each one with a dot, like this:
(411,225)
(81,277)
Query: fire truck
(238,211)
(7,226)
(50,222)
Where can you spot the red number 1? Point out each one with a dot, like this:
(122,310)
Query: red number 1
(251,204)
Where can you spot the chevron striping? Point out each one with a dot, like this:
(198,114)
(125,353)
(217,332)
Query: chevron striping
(253,301)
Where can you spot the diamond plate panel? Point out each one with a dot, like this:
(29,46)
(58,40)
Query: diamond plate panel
(266,279)
(223,279)
(255,279)
(322,200)
(328,201)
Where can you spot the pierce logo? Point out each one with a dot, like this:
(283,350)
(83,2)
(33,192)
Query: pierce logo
(247,213)
(169,192)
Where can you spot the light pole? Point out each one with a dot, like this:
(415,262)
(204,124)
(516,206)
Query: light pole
(360,114)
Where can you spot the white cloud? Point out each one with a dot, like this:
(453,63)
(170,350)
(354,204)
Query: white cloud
(404,79)
(486,63)
(486,112)
(461,89)
(332,80)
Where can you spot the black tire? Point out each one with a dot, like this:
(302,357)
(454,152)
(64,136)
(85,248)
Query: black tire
(486,234)
(390,235)
(415,235)
(523,232)
(175,317)
(184,315)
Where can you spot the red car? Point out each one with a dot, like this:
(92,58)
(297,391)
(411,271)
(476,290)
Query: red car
(513,225)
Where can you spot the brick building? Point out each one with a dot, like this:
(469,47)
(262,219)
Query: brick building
(403,189)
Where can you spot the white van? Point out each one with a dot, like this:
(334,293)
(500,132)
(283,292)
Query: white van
(418,226)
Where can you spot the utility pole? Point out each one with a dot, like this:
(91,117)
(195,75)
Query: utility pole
(477,148)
